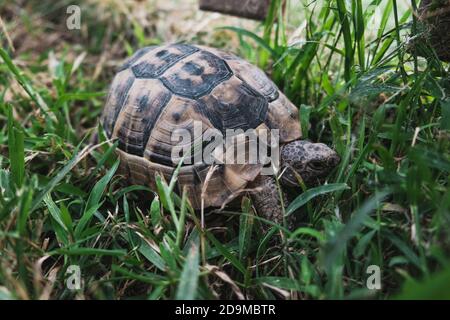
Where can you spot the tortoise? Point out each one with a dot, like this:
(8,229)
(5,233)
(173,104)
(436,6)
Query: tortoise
(161,89)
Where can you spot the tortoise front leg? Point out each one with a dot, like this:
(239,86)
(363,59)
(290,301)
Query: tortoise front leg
(267,199)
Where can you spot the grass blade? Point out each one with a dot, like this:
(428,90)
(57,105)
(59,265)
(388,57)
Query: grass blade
(16,150)
(93,202)
(187,288)
(312,193)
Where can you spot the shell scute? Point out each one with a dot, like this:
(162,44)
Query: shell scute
(254,77)
(196,75)
(117,96)
(235,105)
(169,130)
(144,103)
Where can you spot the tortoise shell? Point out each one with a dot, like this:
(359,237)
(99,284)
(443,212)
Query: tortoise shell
(164,88)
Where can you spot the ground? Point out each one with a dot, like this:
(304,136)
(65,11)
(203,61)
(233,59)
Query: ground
(377,229)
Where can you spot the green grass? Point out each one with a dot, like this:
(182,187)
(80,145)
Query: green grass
(385,110)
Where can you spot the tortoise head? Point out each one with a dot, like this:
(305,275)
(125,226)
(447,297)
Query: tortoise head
(311,161)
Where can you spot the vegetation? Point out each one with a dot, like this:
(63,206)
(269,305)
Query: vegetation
(359,89)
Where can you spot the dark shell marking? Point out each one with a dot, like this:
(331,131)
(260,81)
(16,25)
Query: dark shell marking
(135,57)
(158,61)
(235,105)
(197,76)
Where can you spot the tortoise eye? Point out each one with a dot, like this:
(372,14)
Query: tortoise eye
(316,165)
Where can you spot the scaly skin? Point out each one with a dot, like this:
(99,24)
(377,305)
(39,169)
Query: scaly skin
(310,161)
(267,200)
